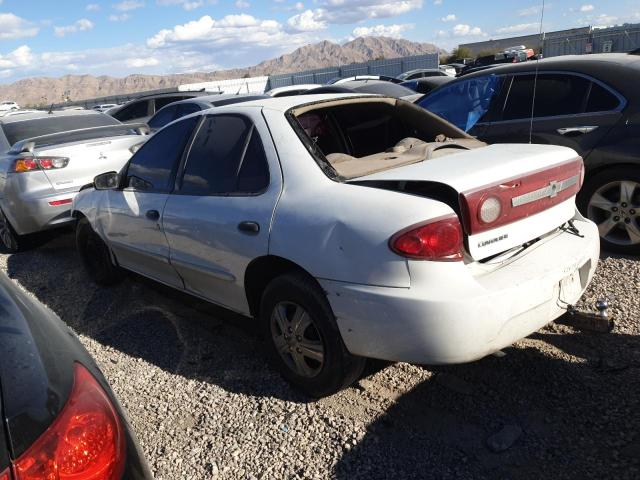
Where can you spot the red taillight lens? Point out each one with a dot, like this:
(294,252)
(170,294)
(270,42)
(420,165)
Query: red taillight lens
(85,442)
(439,240)
(44,163)
(517,198)
(64,201)
(5,475)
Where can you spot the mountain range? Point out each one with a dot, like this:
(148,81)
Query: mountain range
(44,90)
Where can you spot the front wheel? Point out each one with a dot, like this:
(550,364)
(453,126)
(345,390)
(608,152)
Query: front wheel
(96,256)
(303,339)
(611,199)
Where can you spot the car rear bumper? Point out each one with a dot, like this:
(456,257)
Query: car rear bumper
(34,213)
(455,313)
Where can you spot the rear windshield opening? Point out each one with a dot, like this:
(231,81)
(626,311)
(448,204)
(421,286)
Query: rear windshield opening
(364,137)
(21,130)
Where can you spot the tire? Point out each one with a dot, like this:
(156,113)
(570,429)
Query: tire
(611,199)
(95,255)
(311,333)
(11,241)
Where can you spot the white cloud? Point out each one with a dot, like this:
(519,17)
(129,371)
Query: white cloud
(437,2)
(603,20)
(449,18)
(299,6)
(307,21)
(527,12)
(92,7)
(463,30)
(78,26)
(394,31)
(345,12)
(519,28)
(20,57)
(141,62)
(122,17)
(188,6)
(242,4)
(13,27)
(587,8)
(128,5)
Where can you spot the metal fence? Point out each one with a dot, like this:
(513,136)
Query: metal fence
(391,67)
(598,40)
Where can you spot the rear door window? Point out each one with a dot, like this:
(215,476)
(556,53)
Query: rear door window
(556,94)
(153,167)
(137,109)
(226,157)
(601,100)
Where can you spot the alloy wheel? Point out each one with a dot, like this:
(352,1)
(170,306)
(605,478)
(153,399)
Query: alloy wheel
(615,208)
(297,339)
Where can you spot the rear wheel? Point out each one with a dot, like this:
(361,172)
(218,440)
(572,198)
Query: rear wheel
(611,199)
(96,256)
(10,239)
(303,339)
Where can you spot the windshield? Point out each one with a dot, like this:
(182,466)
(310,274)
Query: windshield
(16,131)
(463,103)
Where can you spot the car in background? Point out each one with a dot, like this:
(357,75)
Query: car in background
(349,226)
(450,70)
(143,108)
(12,113)
(589,103)
(59,417)
(45,158)
(428,84)
(376,87)
(421,73)
(8,105)
(179,109)
(104,107)
(291,90)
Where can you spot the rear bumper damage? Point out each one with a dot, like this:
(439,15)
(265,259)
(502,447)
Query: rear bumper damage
(455,313)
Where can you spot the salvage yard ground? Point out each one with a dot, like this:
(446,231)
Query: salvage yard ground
(559,404)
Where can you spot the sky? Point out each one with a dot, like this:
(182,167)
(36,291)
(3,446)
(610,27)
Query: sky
(117,38)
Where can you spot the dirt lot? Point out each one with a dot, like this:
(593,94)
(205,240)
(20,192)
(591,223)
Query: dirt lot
(559,404)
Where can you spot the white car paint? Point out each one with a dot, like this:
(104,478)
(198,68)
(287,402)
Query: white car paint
(386,306)
(280,91)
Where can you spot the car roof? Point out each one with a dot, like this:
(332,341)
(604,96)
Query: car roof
(43,114)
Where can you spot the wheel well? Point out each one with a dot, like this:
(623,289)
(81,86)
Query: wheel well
(77,214)
(260,272)
(608,167)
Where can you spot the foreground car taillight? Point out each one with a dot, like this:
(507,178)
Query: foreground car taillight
(439,240)
(85,442)
(29,164)
(5,475)
(517,198)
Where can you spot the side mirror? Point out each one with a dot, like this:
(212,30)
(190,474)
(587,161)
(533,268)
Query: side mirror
(107,181)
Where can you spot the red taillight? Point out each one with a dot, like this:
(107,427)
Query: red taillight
(439,240)
(85,442)
(64,201)
(511,200)
(44,163)
(5,475)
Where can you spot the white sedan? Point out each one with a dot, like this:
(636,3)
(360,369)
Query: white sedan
(349,227)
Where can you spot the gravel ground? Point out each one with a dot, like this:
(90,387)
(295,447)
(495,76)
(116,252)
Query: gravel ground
(559,404)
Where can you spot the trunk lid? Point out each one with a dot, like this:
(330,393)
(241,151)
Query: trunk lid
(88,159)
(535,184)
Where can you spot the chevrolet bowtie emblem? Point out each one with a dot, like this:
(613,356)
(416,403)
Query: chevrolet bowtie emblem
(550,191)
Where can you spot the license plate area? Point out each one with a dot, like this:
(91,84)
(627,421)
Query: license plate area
(572,285)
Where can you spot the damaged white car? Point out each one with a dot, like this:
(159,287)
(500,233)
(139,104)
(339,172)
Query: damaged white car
(349,227)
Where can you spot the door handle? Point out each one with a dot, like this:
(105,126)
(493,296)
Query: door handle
(252,228)
(576,130)
(153,215)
